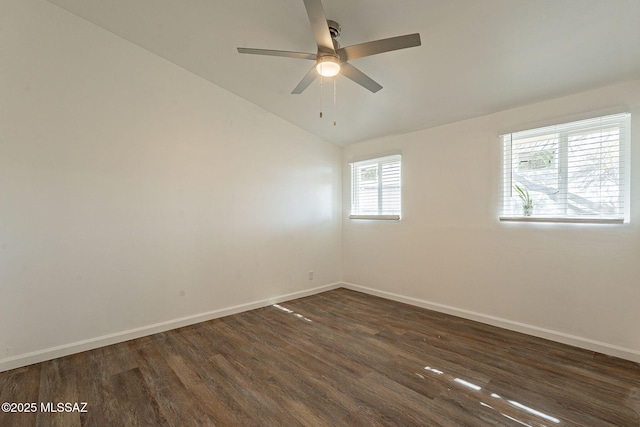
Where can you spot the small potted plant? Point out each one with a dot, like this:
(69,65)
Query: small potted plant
(527,202)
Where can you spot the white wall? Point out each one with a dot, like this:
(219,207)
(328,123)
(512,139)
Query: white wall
(578,284)
(133,193)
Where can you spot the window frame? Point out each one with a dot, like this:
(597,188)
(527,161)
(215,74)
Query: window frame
(382,213)
(564,132)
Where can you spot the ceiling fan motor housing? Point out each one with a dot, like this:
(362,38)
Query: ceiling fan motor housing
(334,29)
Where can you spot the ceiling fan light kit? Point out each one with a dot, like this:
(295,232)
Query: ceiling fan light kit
(328,66)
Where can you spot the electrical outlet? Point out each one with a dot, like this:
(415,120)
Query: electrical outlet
(311,275)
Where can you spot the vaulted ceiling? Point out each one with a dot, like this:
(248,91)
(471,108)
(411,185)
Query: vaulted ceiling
(477,57)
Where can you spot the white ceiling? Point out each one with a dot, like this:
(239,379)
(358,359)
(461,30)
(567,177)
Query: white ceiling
(477,56)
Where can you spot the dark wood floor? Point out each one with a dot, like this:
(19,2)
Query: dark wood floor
(337,358)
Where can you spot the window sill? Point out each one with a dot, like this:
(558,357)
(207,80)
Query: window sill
(562,220)
(376,217)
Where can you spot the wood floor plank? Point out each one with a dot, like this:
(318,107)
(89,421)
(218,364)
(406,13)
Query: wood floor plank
(135,405)
(20,385)
(336,358)
(57,386)
(253,401)
(293,394)
(94,387)
(164,386)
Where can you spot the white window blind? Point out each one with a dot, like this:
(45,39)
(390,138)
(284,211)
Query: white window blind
(572,172)
(376,188)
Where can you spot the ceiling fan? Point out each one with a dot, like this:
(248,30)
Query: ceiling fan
(331,59)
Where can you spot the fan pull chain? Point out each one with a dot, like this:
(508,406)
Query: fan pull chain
(320,95)
(334,101)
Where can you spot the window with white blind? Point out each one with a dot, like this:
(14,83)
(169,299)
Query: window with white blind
(376,188)
(572,172)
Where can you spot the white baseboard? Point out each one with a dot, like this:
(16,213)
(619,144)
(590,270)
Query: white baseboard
(576,341)
(93,343)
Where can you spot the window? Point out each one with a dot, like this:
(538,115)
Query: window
(375,188)
(573,172)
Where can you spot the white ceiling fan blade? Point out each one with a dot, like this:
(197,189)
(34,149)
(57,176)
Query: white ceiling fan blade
(359,77)
(319,26)
(379,46)
(284,53)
